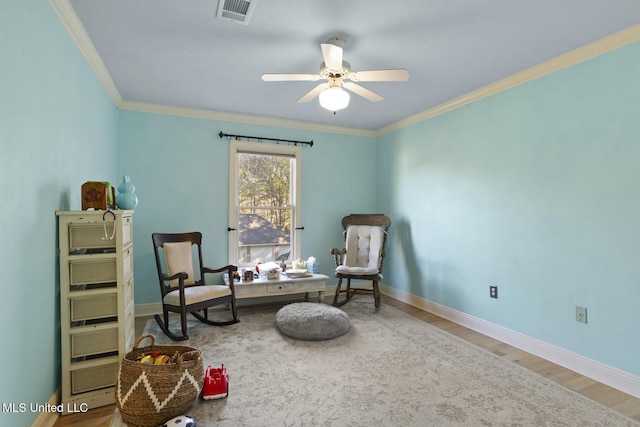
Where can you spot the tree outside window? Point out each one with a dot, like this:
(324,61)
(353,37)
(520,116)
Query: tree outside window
(265,209)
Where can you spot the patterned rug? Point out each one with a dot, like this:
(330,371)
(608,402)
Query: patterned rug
(389,369)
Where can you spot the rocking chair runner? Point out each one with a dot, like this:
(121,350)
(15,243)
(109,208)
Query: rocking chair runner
(365,236)
(182,291)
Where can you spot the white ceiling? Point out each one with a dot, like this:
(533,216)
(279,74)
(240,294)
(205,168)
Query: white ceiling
(176,53)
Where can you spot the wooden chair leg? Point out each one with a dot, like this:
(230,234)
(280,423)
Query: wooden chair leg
(335,298)
(350,292)
(164,326)
(376,294)
(183,321)
(234,309)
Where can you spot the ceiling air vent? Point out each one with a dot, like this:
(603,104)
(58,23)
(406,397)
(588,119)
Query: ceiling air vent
(235,10)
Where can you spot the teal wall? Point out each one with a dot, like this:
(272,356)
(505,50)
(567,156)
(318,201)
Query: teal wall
(535,190)
(180,168)
(58,129)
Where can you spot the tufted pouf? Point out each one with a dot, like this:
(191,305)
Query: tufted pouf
(312,321)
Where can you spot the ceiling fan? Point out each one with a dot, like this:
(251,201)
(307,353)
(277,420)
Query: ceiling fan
(335,70)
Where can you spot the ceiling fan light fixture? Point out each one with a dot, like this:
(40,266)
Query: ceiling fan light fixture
(333,99)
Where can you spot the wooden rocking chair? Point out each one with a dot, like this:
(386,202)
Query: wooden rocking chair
(365,236)
(183,292)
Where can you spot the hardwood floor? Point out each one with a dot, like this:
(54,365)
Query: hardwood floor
(592,389)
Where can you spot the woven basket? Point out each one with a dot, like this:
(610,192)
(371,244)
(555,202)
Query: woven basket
(149,395)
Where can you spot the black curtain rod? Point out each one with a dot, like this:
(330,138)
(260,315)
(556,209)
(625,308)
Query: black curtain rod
(262,138)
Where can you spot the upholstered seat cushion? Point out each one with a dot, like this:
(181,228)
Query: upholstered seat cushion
(356,271)
(312,321)
(363,243)
(197,294)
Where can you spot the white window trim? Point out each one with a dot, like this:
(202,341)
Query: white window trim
(236,146)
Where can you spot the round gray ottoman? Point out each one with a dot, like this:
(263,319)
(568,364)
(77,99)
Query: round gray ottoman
(312,321)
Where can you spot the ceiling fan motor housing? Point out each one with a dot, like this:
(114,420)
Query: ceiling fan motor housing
(327,73)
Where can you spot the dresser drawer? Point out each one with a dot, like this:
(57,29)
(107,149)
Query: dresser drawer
(128,292)
(127,230)
(94,343)
(127,262)
(88,272)
(91,236)
(94,235)
(94,378)
(93,307)
(280,287)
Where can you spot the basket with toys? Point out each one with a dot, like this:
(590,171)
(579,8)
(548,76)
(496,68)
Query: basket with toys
(157,382)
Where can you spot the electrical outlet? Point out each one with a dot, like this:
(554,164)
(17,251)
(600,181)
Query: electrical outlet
(581,314)
(493,291)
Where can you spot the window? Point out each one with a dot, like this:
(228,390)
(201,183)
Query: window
(264,208)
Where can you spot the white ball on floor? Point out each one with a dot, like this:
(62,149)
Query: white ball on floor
(180,421)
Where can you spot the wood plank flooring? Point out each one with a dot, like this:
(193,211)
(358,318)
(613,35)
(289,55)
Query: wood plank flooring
(610,397)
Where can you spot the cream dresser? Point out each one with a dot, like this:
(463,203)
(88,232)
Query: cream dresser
(96,304)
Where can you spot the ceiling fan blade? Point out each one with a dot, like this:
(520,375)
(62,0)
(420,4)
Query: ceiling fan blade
(290,77)
(363,92)
(396,75)
(314,92)
(332,54)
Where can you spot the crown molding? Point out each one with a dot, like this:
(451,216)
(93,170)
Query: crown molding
(607,44)
(74,26)
(241,118)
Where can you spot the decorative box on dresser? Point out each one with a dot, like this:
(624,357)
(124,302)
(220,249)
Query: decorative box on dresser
(96,304)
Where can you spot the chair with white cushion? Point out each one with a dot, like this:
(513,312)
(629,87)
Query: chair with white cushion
(182,291)
(365,236)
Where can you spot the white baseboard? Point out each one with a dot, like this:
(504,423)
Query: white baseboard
(601,372)
(144,310)
(48,419)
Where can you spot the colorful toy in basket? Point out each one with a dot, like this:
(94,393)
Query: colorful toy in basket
(216,383)
(180,421)
(156,358)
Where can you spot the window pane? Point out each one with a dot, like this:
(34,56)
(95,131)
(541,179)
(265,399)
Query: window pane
(265,209)
(264,234)
(264,180)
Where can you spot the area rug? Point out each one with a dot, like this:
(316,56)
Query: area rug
(390,369)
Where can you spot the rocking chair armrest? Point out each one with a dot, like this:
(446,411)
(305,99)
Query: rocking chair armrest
(220,270)
(337,255)
(166,287)
(229,268)
(381,260)
(181,275)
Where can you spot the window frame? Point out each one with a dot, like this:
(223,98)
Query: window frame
(293,151)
